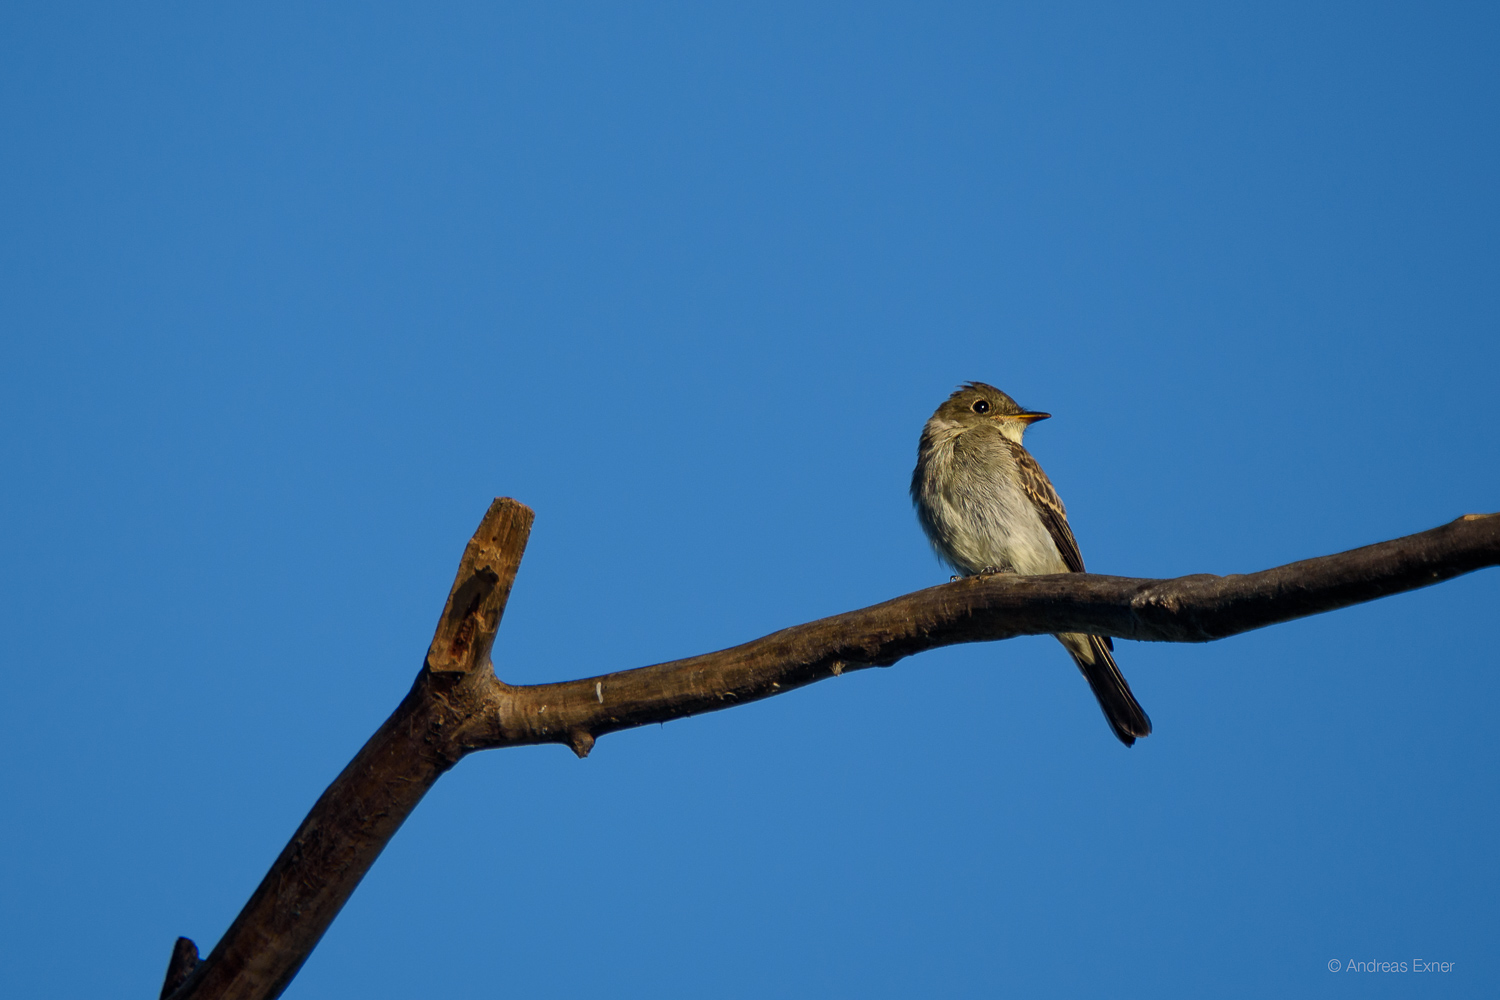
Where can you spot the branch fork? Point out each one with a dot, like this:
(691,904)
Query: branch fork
(457,705)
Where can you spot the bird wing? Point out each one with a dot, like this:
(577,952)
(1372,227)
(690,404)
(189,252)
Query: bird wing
(1044,498)
(1049,508)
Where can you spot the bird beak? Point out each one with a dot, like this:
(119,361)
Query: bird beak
(1027,417)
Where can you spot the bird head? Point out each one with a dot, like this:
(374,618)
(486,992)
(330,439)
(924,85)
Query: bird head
(976,404)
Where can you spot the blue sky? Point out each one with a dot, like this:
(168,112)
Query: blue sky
(287,295)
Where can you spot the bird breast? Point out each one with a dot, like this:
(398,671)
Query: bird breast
(971,505)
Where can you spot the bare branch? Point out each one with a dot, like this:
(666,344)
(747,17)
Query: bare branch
(978,609)
(360,812)
(457,705)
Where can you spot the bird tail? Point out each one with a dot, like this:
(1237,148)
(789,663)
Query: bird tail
(1125,715)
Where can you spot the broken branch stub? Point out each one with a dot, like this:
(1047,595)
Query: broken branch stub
(466,630)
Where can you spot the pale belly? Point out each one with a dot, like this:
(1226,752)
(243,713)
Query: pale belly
(999,530)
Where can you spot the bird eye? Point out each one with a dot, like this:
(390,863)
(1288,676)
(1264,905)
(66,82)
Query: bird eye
(981,406)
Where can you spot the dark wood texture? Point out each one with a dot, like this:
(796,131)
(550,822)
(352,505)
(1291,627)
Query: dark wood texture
(466,628)
(184,960)
(457,705)
(979,609)
(364,807)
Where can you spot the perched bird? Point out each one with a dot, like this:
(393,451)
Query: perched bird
(987,507)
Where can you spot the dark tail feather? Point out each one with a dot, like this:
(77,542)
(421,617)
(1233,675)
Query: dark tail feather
(1125,715)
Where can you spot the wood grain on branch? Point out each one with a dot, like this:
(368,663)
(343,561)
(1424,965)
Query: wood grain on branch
(1197,608)
(356,817)
(457,705)
(184,960)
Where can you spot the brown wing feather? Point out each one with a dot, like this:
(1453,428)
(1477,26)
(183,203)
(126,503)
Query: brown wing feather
(1050,507)
(1039,488)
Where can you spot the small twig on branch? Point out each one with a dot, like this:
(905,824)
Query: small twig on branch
(457,705)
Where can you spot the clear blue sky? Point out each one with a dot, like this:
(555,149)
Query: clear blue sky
(287,295)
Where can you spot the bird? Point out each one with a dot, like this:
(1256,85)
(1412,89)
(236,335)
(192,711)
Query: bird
(987,507)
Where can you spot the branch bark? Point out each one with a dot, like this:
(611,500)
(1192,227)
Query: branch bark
(457,705)
(184,960)
(361,811)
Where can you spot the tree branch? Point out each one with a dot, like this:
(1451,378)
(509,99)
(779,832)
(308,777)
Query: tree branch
(978,609)
(364,807)
(458,706)
(184,960)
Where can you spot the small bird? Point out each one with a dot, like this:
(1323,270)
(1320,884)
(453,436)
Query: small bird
(987,507)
